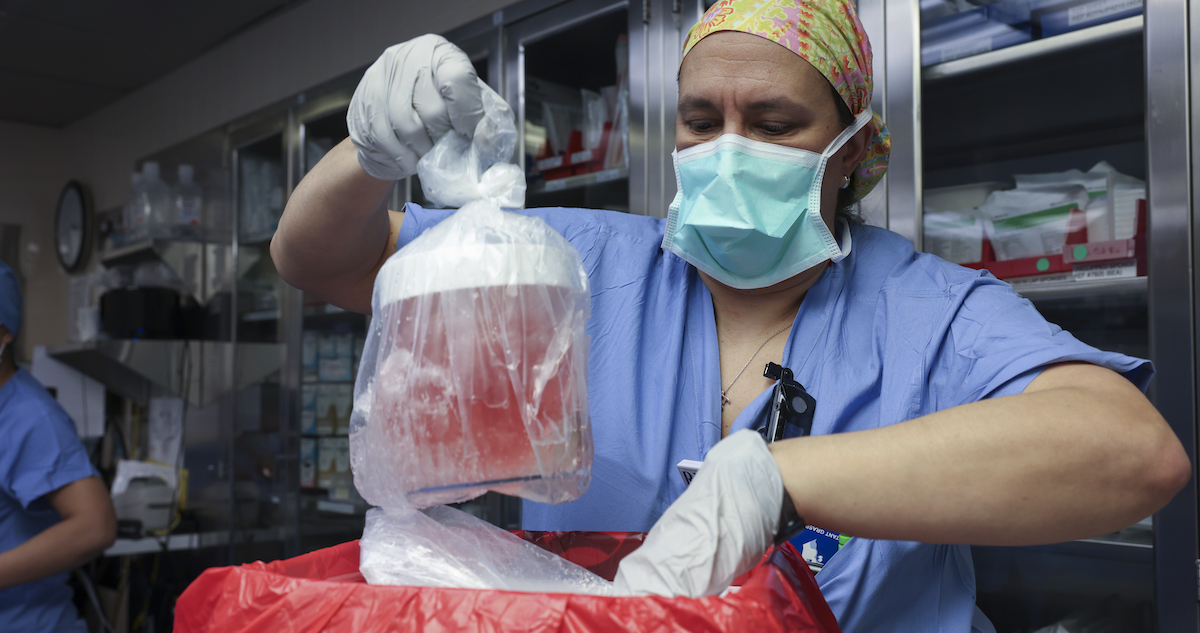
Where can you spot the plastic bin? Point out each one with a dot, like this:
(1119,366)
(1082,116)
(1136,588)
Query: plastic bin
(324,591)
(1063,16)
(976,31)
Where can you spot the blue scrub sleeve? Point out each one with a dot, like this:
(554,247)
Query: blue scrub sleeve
(997,343)
(43,454)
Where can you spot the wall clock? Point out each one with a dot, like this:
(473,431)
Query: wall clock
(73,226)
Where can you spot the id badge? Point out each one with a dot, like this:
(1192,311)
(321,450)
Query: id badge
(818,545)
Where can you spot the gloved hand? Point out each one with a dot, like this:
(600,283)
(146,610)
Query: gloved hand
(412,95)
(716,530)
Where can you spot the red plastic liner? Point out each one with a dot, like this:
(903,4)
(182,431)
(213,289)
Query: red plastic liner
(324,591)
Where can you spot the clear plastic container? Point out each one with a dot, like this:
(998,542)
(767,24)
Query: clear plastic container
(155,201)
(474,373)
(135,214)
(187,205)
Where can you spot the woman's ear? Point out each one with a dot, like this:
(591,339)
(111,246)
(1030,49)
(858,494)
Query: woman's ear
(855,150)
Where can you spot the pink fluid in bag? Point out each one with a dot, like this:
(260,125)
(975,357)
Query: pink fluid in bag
(482,388)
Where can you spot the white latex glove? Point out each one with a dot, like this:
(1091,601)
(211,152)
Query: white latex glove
(716,530)
(412,95)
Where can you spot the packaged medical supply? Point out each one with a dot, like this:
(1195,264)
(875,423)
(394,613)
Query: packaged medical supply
(326,414)
(1030,223)
(953,225)
(308,356)
(1112,197)
(959,197)
(955,236)
(308,462)
(975,30)
(1061,16)
(343,401)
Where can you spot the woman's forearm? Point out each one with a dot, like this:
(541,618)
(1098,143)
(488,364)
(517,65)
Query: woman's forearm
(334,233)
(1080,453)
(61,547)
(88,527)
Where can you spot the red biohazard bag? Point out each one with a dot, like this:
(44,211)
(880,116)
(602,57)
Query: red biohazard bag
(324,591)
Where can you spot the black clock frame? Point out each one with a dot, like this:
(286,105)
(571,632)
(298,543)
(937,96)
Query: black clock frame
(86,228)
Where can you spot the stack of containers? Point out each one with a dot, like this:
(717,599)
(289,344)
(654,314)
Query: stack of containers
(964,30)
(329,367)
(954,29)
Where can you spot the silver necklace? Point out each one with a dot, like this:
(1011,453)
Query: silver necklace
(724,398)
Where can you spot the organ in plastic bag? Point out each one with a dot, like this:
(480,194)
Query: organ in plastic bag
(323,591)
(473,377)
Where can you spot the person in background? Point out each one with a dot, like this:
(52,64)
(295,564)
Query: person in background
(55,512)
(948,411)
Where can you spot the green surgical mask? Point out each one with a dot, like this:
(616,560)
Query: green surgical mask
(749,213)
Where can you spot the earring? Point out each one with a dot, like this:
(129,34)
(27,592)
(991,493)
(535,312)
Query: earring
(846,184)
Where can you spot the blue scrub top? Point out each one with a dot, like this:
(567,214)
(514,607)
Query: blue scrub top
(39,453)
(884,336)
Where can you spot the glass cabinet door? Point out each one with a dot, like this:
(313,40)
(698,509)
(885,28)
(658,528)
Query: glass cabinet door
(331,510)
(261,184)
(568,80)
(1032,165)
(263,494)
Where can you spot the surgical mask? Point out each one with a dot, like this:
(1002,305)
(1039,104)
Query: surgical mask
(749,213)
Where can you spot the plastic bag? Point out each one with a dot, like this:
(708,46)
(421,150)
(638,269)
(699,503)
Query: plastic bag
(473,376)
(459,170)
(324,591)
(1031,223)
(445,547)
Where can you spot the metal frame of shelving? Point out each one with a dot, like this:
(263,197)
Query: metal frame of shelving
(1172,289)
(1170,143)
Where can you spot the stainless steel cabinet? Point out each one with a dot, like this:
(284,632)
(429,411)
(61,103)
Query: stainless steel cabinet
(1016,96)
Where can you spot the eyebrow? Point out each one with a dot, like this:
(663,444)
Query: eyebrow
(778,103)
(696,103)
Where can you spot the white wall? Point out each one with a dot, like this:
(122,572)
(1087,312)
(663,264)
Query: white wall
(316,41)
(313,43)
(32,174)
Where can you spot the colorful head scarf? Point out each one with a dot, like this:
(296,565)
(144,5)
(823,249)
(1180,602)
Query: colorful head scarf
(828,35)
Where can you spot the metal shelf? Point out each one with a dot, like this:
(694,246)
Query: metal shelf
(1075,289)
(322,309)
(204,267)
(261,315)
(198,540)
(1036,48)
(582,180)
(132,368)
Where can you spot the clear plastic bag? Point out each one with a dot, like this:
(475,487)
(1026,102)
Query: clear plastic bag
(473,376)
(444,547)
(459,170)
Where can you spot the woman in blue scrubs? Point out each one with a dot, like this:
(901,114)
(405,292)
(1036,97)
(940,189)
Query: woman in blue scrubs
(55,512)
(948,411)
